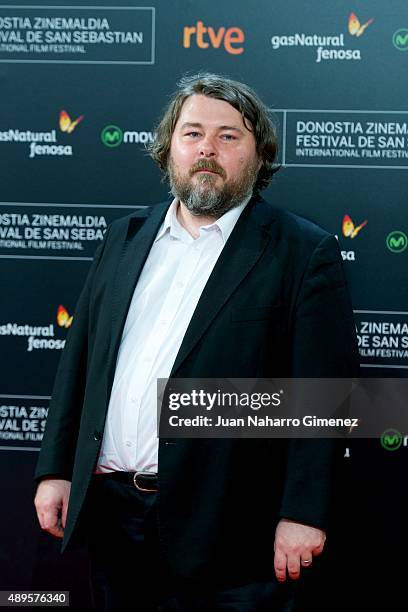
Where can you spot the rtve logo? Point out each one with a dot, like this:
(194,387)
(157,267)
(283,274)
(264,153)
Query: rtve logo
(207,36)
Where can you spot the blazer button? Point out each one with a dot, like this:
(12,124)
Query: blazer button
(97,435)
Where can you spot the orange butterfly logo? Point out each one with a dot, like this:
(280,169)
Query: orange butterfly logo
(63,317)
(65,122)
(349,229)
(354,26)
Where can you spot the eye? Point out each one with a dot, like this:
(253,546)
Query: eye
(192,134)
(228,137)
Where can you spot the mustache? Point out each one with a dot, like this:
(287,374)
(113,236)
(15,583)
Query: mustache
(207,164)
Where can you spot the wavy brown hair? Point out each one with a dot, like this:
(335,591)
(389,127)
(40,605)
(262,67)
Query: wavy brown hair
(253,111)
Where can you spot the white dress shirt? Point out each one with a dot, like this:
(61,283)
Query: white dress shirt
(166,295)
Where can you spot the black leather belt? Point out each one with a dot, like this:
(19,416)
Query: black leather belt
(143,481)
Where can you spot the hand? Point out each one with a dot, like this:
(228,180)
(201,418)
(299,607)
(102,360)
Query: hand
(295,545)
(51,503)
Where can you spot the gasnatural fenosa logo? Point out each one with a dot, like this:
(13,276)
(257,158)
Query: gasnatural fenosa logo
(328,47)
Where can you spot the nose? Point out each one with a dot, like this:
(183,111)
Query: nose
(207,147)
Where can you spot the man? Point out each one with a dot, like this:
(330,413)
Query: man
(218,284)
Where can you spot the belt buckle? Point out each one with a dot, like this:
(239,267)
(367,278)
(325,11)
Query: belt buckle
(138,487)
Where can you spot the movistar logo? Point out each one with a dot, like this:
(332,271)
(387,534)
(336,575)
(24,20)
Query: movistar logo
(112,136)
(400,39)
(391,439)
(397,241)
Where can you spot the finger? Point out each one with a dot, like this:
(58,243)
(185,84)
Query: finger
(280,565)
(294,566)
(50,522)
(64,514)
(42,519)
(56,531)
(45,524)
(306,559)
(39,517)
(319,549)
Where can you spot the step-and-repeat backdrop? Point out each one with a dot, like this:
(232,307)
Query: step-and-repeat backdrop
(81,87)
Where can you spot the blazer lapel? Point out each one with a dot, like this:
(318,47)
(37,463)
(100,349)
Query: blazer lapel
(243,249)
(134,254)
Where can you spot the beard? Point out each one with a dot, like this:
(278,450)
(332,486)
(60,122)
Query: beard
(203,197)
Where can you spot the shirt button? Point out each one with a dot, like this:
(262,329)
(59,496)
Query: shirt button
(128,443)
(179,284)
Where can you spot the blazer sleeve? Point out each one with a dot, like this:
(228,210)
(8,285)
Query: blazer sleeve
(57,452)
(324,345)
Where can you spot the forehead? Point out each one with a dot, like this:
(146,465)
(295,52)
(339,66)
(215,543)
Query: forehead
(209,112)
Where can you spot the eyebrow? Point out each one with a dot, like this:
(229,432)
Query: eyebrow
(188,124)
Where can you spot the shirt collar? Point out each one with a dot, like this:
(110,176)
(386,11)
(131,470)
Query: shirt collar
(225,224)
(170,224)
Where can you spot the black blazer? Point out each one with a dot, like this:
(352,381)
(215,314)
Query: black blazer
(276,304)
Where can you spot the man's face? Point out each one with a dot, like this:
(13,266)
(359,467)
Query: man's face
(213,160)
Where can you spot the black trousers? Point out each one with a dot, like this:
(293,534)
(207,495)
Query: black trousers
(128,572)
